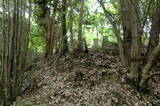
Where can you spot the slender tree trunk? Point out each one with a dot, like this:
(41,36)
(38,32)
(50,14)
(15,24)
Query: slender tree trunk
(80,29)
(14,48)
(2,95)
(146,70)
(154,33)
(48,24)
(3,99)
(116,32)
(50,36)
(64,48)
(153,48)
(71,24)
(125,12)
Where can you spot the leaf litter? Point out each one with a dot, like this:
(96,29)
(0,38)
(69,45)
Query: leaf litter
(93,79)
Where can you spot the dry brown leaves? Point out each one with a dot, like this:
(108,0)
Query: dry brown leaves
(82,80)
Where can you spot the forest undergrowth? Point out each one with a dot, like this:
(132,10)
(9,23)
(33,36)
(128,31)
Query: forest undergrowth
(94,79)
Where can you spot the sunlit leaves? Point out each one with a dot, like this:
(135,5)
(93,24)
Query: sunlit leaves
(36,39)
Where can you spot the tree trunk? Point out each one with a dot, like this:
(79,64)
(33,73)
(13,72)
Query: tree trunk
(64,48)
(2,95)
(71,23)
(146,71)
(126,29)
(154,33)
(48,24)
(136,41)
(153,47)
(15,47)
(50,36)
(80,29)
(116,32)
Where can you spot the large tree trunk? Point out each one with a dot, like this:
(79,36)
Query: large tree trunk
(136,41)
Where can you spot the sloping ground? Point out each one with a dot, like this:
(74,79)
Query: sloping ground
(83,80)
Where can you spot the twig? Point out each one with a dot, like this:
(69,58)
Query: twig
(155,73)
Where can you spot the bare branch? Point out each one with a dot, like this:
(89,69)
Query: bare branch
(154,74)
(107,13)
(146,14)
(153,57)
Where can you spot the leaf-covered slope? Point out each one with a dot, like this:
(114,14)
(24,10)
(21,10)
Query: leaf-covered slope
(81,80)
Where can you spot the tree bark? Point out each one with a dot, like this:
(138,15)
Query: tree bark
(136,32)
(71,15)
(14,49)
(2,95)
(125,12)
(80,29)
(48,24)
(146,71)
(154,33)
(64,48)
(116,32)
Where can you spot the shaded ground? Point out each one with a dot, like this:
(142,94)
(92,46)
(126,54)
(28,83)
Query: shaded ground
(83,80)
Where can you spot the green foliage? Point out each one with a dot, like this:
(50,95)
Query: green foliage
(96,27)
(36,39)
(37,15)
(23,102)
(89,37)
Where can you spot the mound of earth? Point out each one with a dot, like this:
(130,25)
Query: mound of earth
(83,80)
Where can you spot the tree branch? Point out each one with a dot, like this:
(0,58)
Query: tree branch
(146,14)
(155,73)
(107,13)
(145,73)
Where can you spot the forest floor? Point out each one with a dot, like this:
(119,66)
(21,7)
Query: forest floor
(93,79)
